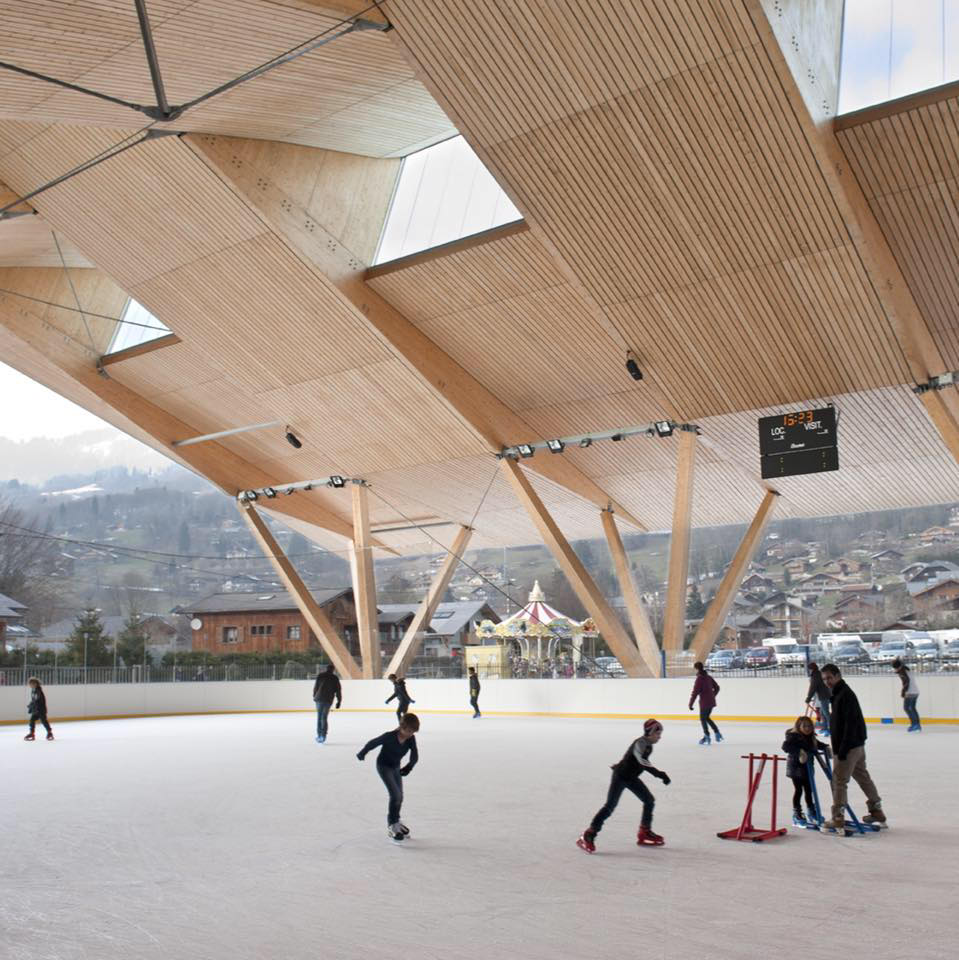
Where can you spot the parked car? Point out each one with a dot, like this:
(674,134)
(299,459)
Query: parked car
(846,653)
(926,649)
(950,655)
(724,660)
(609,667)
(759,657)
(898,649)
(789,654)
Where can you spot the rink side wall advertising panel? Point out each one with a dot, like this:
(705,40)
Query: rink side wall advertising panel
(740,699)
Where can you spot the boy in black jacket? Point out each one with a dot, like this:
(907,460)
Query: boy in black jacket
(474,692)
(395,744)
(37,709)
(849,746)
(403,699)
(626,776)
(326,689)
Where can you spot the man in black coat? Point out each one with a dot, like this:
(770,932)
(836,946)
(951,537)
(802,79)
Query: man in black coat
(326,689)
(849,749)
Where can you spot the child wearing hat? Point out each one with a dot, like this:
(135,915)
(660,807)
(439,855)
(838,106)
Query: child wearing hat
(626,776)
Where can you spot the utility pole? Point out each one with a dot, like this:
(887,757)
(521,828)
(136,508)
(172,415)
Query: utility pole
(86,637)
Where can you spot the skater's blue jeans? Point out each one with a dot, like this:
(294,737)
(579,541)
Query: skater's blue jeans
(616,787)
(322,715)
(824,708)
(474,703)
(393,779)
(706,720)
(909,705)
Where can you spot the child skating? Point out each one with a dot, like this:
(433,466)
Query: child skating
(37,709)
(394,745)
(800,746)
(474,692)
(626,776)
(706,689)
(403,699)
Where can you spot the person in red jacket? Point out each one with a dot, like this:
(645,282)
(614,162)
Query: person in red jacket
(706,689)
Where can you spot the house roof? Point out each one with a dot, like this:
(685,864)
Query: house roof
(269,601)
(748,621)
(10,609)
(936,586)
(448,619)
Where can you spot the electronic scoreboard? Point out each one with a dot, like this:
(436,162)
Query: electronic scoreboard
(796,443)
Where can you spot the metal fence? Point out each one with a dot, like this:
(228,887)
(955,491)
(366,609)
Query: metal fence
(51,676)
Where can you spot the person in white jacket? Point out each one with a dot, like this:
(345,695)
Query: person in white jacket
(909,694)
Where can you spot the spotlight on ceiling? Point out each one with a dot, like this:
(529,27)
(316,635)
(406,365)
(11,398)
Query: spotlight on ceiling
(291,490)
(616,437)
(250,495)
(269,493)
(586,442)
(525,450)
(337,482)
(293,440)
(632,366)
(555,446)
(664,428)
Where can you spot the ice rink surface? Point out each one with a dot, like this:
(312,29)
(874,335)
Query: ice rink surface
(235,837)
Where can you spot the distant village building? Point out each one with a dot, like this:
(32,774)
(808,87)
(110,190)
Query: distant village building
(13,631)
(938,598)
(817,585)
(922,575)
(938,535)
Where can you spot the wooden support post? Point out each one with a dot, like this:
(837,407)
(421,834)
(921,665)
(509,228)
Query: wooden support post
(410,644)
(674,621)
(319,623)
(614,633)
(364,585)
(719,607)
(642,628)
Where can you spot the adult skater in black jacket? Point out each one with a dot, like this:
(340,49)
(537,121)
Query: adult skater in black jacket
(395,744)
(626,776)
(474,692)
(37,709)
(326,689)
(403,699)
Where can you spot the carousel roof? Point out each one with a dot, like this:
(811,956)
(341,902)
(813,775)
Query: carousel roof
(537,616)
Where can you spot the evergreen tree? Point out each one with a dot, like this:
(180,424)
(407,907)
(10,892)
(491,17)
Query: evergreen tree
(88,634)
(133,639)
(695,608)
(183,541)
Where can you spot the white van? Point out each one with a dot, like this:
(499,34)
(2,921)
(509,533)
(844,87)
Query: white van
(788,651)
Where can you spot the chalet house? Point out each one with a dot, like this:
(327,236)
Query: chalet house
(751,630)
(859,608)
(452,626)
(11,615)
(789,616)
(943,595)
(938,535)
(817,585)
(796,566)
(756,583)
(887,560)
(930,573)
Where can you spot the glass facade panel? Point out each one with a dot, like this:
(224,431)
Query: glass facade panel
(137,325)
(893,48)
(443,193)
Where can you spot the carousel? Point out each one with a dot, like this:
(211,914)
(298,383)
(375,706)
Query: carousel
(538,633)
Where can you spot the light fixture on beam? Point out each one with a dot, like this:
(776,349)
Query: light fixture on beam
(664,428)
(269,493)
(293,440)
(586,442)
(659,428)
(632,367)
(337,482)
(287,489)
(525,450)
(555,446)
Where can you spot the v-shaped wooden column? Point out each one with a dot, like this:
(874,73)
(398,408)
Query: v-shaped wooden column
(319,623)
(410,644)
(674,621)
(613,632)
(364,584)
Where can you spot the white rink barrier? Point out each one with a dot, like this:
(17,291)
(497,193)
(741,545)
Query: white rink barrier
(776,699)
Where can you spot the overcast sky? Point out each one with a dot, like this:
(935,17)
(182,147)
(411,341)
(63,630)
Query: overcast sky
(891,48)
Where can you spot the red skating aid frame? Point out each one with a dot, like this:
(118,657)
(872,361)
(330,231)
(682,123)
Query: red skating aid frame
(746,830)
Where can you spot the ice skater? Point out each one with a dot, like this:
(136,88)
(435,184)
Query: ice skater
(474,692)
(394,745)
(37,709)
(626,776)
(848,728)
(403,699)
(706,689)
(326,689)
(909,694)
(800,746)
(819,692)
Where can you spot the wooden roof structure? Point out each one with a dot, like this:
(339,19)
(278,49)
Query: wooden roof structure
(687,196)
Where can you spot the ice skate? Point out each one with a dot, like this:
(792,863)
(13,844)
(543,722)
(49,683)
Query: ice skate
(719,737)
(837,827)
(403,828)
(646,838)
(705,741)
(395,834)
(586,841)
(811,818)
(798,819)
(875,819)
(30,736)
(50,735)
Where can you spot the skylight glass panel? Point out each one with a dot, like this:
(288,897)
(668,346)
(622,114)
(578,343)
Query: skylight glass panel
(443,194)
(894,48)
(137,325)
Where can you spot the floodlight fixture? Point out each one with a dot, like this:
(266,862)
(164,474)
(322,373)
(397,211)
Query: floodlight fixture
(632,367)
(616,437)
(251,495)
(555,446)
(269,493)
(291,490)
(525,450)
(586,442)
(293,440)
(664,428)
(337,482)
